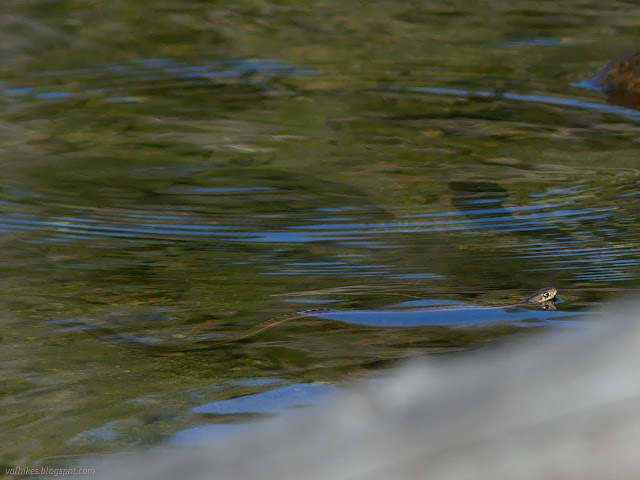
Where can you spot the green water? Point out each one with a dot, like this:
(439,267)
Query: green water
(177,172)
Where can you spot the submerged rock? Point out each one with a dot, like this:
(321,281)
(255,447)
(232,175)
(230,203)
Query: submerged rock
(620,79)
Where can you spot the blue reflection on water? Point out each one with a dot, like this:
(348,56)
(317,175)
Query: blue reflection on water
(451,315)
(271,401)
(149,71)
(18,91)
(536,42)
(278,400)
(221,190)
(564,102)
(54,95)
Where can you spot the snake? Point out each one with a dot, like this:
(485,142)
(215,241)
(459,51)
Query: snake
(544,298)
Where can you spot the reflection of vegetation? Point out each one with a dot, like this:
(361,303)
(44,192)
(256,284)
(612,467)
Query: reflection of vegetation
(91,190)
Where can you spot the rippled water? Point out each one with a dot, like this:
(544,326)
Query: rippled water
(419,170)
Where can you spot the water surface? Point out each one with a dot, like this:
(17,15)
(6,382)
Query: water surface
(178,177)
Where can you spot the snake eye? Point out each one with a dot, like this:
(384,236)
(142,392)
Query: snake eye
(545,294)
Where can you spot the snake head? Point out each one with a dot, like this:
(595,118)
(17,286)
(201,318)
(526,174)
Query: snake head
(543,295)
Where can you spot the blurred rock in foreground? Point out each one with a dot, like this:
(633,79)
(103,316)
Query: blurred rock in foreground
(564,406)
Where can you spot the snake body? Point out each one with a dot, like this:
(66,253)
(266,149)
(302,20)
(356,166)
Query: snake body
(544,298)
